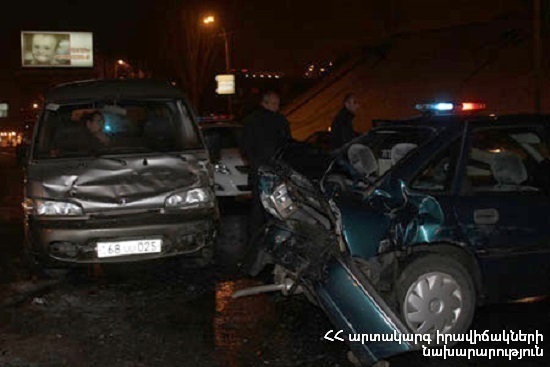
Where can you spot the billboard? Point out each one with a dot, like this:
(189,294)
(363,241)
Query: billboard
(226,84)
(57,49)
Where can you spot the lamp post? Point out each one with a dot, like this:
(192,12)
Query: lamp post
(208,20)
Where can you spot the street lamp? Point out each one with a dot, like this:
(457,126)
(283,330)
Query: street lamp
(118,64)
(211,20)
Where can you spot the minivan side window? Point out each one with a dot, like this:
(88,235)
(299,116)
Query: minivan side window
(507,159)
(437,176)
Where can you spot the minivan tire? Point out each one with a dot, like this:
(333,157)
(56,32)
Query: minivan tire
(37,268)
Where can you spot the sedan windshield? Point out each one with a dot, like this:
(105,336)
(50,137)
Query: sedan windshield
(220,138)
(106,128)
(224,137)
(378,151)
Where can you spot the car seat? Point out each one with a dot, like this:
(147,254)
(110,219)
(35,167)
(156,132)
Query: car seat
(398,151)
(362,159)
(71,138)
(159,133)
(509,172)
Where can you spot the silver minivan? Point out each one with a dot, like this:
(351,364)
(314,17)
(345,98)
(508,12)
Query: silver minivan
(117,172)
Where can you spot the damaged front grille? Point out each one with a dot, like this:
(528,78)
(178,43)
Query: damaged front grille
(129,220)
(305,250)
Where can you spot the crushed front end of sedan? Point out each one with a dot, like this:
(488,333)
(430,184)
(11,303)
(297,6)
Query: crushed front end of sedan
(411,226)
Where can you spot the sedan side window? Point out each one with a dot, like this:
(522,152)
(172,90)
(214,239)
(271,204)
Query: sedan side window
(506,160)
(438,174)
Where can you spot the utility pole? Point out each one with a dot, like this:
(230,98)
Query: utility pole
(537,53)
(227,67)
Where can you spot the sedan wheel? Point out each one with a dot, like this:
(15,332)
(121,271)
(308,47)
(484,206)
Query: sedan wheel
(435,293)
(433,302)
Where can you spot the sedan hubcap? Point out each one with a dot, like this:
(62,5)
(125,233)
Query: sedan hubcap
(433,302)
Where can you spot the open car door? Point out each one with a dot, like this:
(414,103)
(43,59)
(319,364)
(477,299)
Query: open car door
(370,327)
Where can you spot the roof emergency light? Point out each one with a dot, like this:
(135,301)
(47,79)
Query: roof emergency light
(442,107)
(470,106)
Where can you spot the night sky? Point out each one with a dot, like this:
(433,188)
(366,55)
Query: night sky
(267,35)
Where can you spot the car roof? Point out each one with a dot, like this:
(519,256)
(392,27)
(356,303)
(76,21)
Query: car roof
(209,125)
(443,121)
(113,89)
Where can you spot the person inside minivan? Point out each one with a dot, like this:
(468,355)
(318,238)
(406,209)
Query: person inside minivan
(95,124)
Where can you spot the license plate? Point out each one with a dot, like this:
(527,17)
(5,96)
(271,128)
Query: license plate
(122,248)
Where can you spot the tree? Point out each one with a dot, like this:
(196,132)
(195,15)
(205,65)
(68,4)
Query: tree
(191,50)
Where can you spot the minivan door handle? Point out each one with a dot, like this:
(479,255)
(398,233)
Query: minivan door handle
(486,216)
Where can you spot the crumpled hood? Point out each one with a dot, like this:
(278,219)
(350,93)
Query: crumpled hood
(99,183)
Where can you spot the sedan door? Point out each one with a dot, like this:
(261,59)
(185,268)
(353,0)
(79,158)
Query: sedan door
(503,208)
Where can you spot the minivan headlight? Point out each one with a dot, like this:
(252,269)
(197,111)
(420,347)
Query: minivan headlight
(199,197)
(55,208)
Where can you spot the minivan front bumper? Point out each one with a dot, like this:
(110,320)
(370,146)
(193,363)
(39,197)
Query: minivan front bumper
(59,241)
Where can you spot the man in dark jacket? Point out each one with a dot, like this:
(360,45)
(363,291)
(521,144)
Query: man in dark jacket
(265,132)
(341,130)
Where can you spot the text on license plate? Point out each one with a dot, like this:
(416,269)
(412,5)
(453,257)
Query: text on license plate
(121,248)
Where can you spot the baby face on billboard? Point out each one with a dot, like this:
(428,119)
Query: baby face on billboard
(43,48)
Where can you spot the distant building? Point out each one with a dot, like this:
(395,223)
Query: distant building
(315,70)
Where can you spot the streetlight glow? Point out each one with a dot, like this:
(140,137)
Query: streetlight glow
(210,20)
(121,62)
(35,105)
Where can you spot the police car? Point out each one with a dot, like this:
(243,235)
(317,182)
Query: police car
(451,212)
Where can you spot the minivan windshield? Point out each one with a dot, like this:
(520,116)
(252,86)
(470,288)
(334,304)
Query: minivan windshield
(109,128)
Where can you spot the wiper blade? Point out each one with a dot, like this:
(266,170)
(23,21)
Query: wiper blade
(114,159)
(175,155)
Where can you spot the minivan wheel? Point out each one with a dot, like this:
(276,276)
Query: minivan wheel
(435,293)
(37,268)
(40,270)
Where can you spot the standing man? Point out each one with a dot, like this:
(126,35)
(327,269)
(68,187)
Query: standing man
(341,130)
(265,132)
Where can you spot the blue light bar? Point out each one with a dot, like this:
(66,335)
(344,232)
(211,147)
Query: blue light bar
(450,107)
(443,106)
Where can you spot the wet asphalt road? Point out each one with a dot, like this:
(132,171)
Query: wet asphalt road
(164,314)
